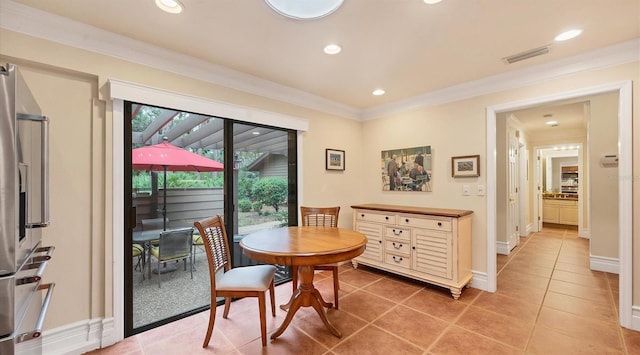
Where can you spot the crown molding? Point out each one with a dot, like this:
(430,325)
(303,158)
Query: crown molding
(617,54)
(33,22)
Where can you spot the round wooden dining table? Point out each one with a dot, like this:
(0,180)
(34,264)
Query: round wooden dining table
(304,247)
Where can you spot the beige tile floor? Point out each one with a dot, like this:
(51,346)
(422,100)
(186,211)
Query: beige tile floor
(548,302)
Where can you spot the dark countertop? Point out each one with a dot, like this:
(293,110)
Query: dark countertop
(563,197)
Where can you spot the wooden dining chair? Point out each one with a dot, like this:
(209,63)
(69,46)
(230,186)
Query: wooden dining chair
(239,282)
(322,217)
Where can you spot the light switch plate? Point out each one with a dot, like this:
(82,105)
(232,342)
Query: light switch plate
(480,190)
(465,190)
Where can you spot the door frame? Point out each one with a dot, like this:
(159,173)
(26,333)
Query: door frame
(120,91)
(625,187)
(524,188)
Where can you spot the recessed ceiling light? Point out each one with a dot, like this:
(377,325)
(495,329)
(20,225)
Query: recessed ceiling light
(431,2)
(552,123)
(568,35)
(378,92)
(170,6)
(332,49)
(304,10)
(255,133)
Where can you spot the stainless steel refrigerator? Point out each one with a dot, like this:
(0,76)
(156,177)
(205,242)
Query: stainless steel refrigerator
(24,212)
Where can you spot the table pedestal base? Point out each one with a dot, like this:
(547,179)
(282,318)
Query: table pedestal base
(306,296)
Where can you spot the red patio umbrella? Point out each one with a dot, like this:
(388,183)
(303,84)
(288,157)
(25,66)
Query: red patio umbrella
(167,157)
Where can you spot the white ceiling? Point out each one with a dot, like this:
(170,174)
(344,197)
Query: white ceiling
(404,46)
(570,115)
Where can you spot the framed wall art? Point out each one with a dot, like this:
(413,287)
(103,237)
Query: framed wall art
(465,166)
(334,159)
(407,169)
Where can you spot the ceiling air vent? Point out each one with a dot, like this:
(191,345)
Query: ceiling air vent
(527,54)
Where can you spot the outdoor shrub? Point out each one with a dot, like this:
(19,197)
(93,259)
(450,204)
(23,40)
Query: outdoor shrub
(245,182)
(271,191)
(244,205)
(283,217)
(257,206)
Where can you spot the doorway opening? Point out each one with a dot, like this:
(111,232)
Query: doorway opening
(560,187)
(624,190)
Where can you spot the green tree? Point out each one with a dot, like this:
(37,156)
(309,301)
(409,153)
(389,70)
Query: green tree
(271,191)
(245,183)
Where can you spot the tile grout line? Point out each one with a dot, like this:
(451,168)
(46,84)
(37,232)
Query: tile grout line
(546,291)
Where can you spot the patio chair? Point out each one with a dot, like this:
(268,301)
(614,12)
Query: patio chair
(154,224)
(246,281)
(196,243)
(322,217)
(138,253)
(173,245)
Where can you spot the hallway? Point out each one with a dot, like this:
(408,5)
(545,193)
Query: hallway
(548,302)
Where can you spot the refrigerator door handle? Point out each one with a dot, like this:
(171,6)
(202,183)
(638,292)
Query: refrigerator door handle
(43,313)
(44,168)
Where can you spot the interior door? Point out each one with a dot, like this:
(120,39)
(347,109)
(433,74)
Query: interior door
(513,234)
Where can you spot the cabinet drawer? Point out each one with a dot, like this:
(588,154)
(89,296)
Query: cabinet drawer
(560,202)
(397,233)
(441,224)
(397,246)
(362,215)
(398,260)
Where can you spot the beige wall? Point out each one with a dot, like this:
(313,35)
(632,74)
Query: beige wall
(82,188)
(67,99)
(603,188)
(458,128)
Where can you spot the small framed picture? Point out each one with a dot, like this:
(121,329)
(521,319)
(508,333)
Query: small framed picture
(335,159)
(466,166)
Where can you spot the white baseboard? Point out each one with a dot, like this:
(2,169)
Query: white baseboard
(585,233)
(527,230)
(503,248)
(479,280)
(602,263)
(79,337)
(635,318)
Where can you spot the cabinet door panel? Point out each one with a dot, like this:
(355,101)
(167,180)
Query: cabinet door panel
(433,252)
(569,215)
(373,232)
(551,214)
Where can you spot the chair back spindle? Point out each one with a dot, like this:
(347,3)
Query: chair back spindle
(320,216)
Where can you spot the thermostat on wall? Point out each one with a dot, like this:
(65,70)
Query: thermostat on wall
(609,161)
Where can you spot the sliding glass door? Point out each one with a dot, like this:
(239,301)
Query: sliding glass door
(264,184)
(243,172)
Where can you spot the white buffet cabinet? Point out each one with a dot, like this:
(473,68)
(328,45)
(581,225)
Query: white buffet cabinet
(427,244)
